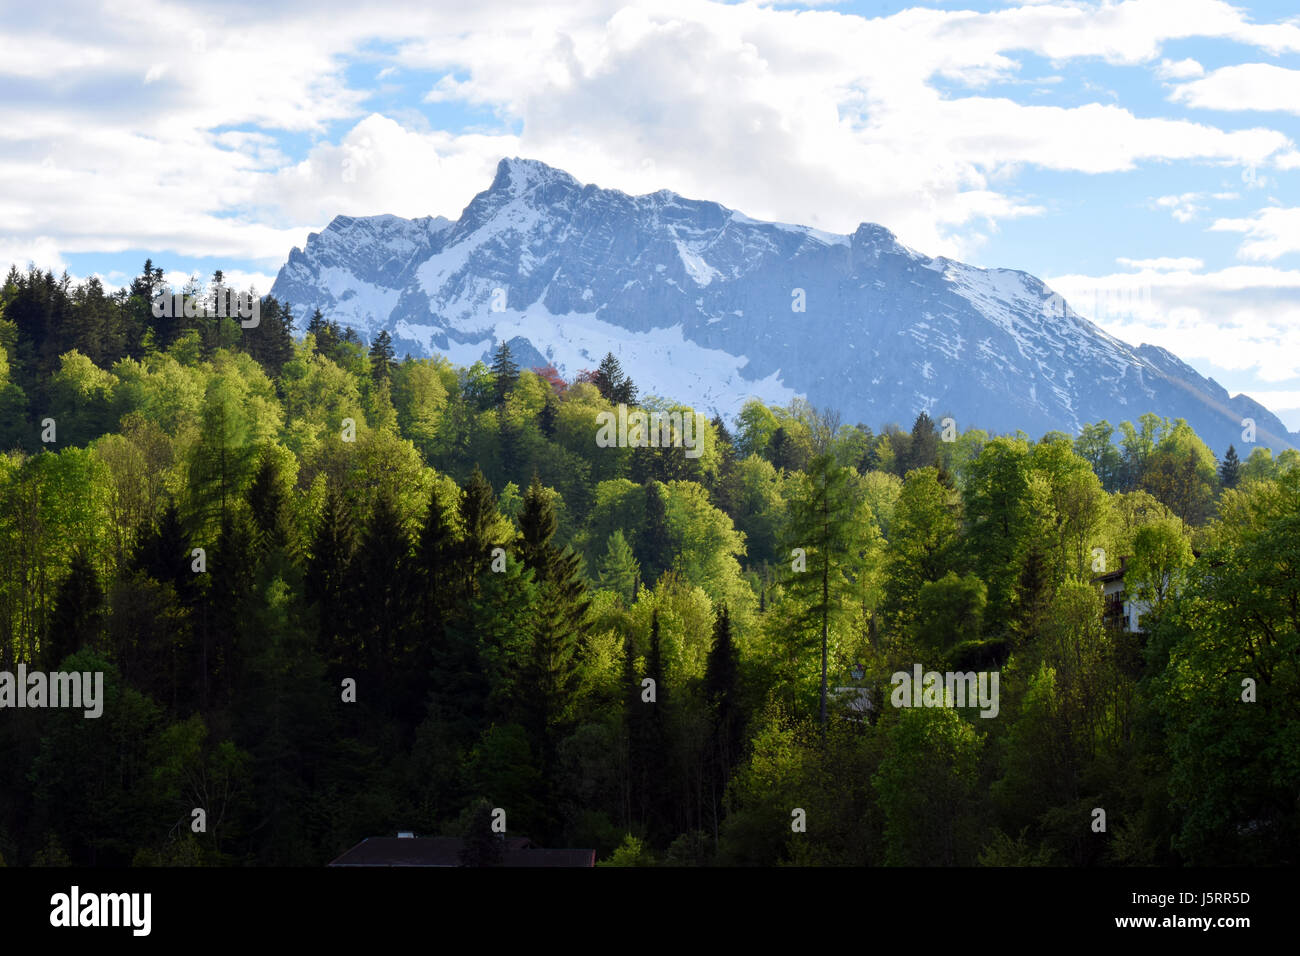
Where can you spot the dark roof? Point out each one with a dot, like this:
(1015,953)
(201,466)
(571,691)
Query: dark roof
(1117,574)
(445,851)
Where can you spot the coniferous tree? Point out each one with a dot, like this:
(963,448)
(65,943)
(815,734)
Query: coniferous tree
(559,628)
(619,570)
(1230,469)
(653,545)
(478,515)
(164,554)
(505,372)
(381,597)
(316,326)
(78,612)
(546,418)
(435,556)
(614,385)
(229,612)
(820,524)
(328,569)
(657,764)
(923,450)
(267,501)
(721,693)
(381,357)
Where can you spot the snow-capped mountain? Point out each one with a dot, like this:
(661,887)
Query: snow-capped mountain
(704,305)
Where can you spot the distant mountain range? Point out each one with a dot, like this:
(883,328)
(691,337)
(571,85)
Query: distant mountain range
(706,306)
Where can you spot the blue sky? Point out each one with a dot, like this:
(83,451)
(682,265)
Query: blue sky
(1141,156)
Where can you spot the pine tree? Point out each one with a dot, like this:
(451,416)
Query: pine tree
(273,336)
(821,524)
(381,357)
(316,325)
(653,545)
(505,372)
(619,570)
(657,783)
(634,741)
(1230,469)
(329,569)
(230,597)
(546,419)
(164,554)
(267,501)
(721,693)
(559,629)
(923,451)
(381,596)
(78,612)
(435,555)
(614,385)
(478,516)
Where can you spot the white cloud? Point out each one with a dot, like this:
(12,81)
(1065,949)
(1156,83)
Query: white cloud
(379,166)
(1179,70)
(1184,207)
(1163,264)
(1243,318)
(1245,86)
(1272,232)
(713,100)
(41,251)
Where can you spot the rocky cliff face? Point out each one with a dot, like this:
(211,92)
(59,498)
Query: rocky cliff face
(706,306)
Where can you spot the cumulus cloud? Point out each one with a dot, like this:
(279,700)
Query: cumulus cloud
(1270,233)
(1243,318)
(1179,69)
(1245,86)
(165,126)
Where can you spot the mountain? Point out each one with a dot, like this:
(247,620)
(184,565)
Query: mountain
(704,305)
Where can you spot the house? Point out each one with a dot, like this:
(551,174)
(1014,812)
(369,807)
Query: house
(1119,612)
(406,849)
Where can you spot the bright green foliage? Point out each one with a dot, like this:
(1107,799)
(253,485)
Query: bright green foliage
(236,527)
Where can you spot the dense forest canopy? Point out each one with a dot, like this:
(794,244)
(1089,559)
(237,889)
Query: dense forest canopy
(236,525)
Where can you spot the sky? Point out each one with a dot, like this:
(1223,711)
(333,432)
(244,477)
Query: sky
(1142,157)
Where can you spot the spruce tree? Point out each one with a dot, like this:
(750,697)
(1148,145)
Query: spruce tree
(164,554)
(78,612)
(478,516)
(381,596)
(381,357)
(267,501)
(1230,468)
(505,372)
(923,450)
(653,545)
(435,556)
(821,524)
(559,626)
(329,569)
(721,694)
(657,765)
(618,568)
(614,385)
(546,419)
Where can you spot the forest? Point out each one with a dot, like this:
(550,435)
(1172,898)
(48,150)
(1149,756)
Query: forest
(336,594)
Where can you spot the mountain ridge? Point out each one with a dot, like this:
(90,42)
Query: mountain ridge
(702,304)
